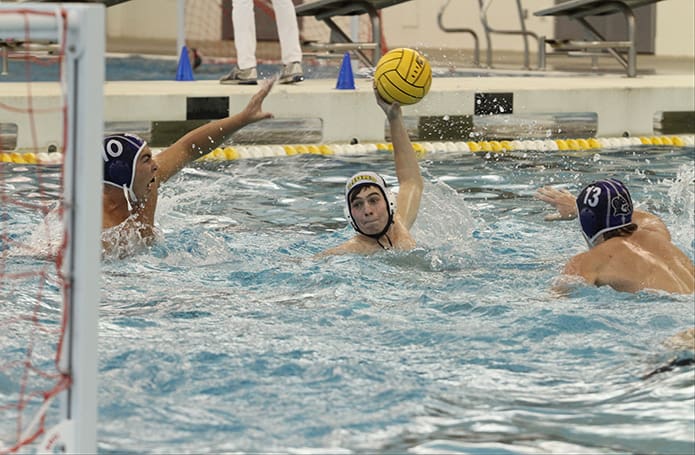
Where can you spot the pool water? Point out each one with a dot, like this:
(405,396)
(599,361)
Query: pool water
(228,336)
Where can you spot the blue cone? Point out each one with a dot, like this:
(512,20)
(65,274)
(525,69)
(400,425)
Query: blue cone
(346,80)
(184,72)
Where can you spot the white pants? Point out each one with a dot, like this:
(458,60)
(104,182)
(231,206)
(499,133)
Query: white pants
(245,32)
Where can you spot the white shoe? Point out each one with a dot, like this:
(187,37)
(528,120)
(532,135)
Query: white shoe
(291,73)
(238,76)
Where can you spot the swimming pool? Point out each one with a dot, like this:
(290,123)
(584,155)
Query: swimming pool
(227,336)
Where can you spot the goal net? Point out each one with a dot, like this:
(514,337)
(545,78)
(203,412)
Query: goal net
(208,29)
(51,111)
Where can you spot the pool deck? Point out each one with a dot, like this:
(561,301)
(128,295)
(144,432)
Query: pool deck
(625,106)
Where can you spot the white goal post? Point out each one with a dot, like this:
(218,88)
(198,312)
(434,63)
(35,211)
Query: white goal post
(79,29)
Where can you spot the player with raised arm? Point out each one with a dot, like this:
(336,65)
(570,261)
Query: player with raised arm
(629,250)
(132,174)
(381,222)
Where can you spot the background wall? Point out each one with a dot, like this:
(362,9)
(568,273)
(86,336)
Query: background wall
(142,19)
(414,23)
(675,28)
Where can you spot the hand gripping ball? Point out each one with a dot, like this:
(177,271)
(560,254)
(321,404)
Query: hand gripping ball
(403,75)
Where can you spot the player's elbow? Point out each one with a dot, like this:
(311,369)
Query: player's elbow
(414,185)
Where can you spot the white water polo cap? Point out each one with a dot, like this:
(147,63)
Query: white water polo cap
(369,178)
(120,153)
(603,206)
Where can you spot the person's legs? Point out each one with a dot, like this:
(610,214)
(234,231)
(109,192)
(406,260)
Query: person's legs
(244,33)
(288,31)
(245,42)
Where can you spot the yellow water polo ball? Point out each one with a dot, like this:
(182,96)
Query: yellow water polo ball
(403,75)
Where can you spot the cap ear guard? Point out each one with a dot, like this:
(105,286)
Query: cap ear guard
(118,171)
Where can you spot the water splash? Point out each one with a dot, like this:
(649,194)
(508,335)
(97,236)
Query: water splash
(681,195)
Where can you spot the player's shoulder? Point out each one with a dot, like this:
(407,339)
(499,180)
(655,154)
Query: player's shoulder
(602,255)
(650,224)
(352,246)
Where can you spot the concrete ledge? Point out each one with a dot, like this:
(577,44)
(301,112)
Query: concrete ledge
(624,105)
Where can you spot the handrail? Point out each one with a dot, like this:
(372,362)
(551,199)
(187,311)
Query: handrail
(484,6)
(476,42)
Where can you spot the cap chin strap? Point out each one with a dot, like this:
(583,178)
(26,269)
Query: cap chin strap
(129,195)
(380,234)
(382,246)
(589,243)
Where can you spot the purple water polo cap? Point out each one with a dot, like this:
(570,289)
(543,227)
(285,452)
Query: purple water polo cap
(120,153)
(603,206)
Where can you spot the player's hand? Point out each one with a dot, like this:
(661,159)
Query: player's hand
(392,111)
(561,199)
(254,110)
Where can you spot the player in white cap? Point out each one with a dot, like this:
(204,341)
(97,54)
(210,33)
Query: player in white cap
(382,222)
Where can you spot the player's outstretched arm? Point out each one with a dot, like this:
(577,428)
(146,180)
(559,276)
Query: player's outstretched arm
(206,138)
(407,167)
